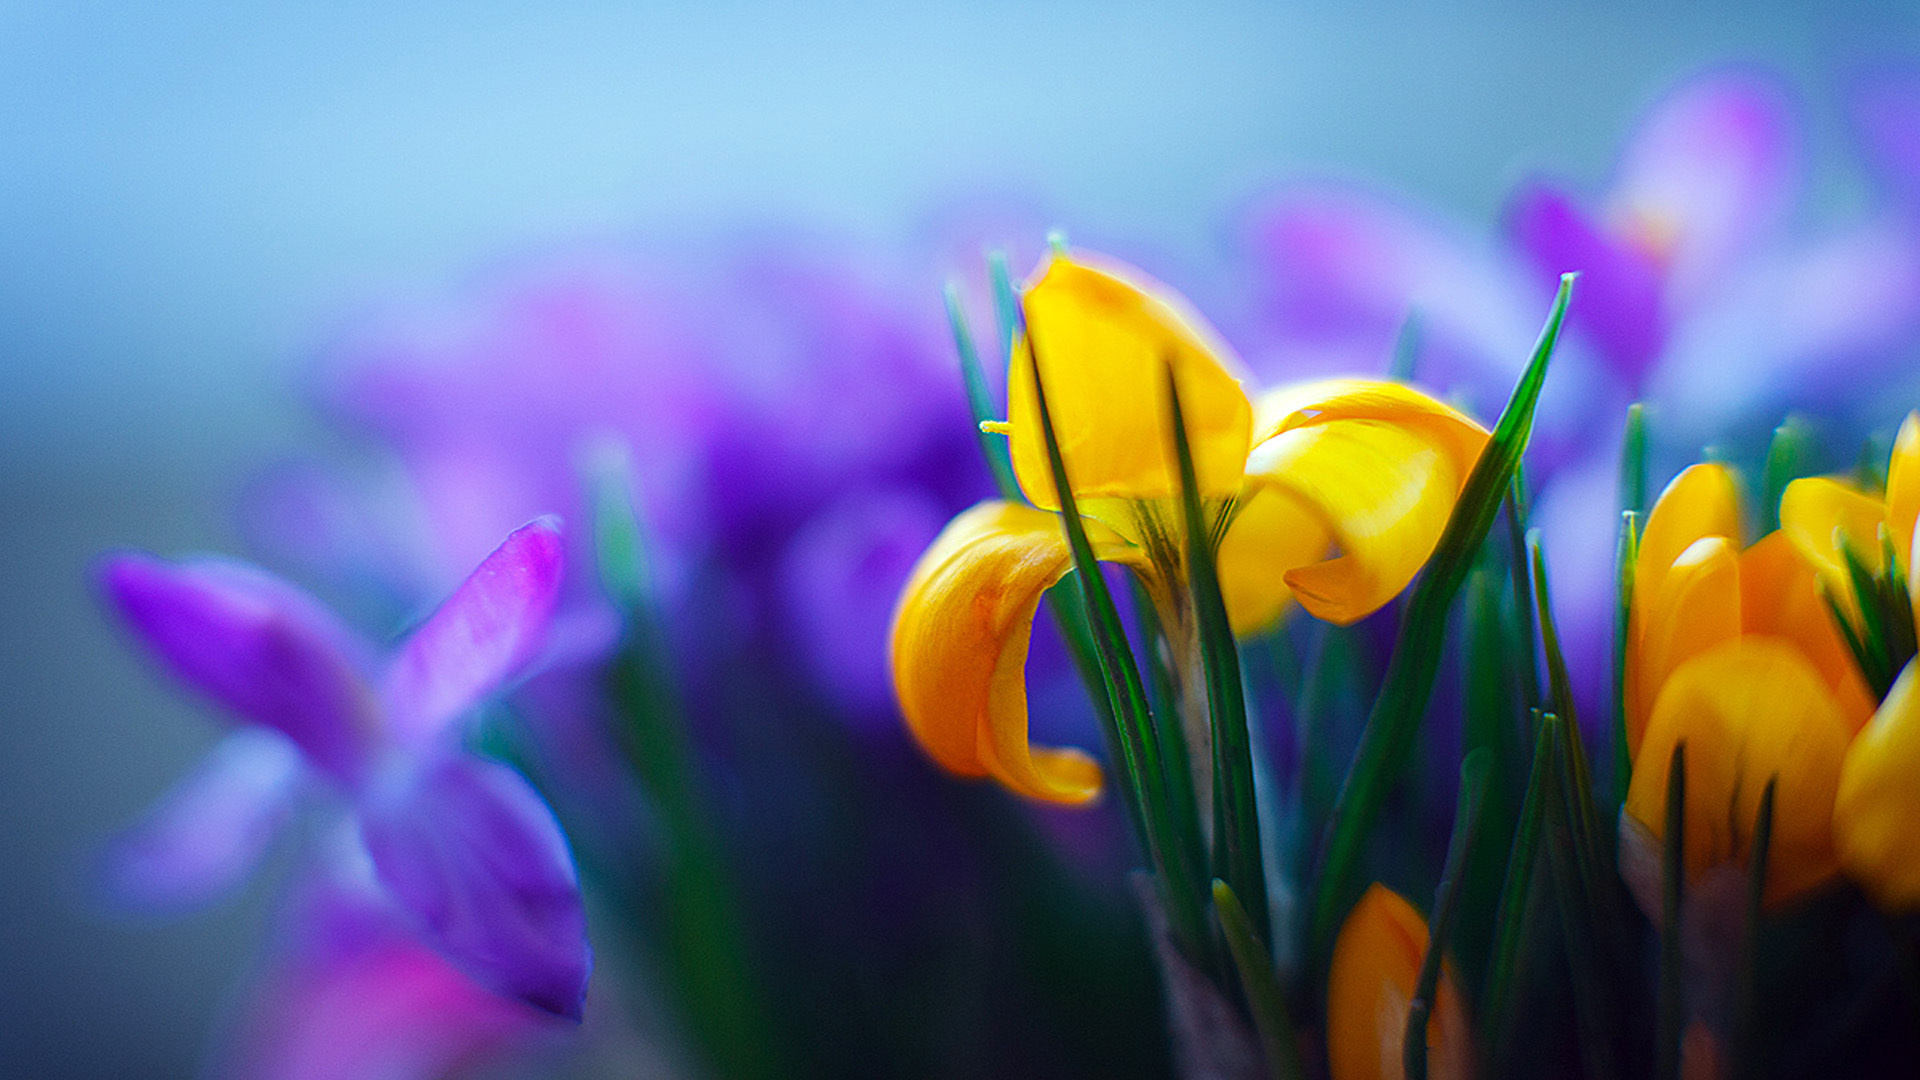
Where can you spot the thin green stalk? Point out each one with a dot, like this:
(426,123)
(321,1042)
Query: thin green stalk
(1510,919)
(1237,856)
(1466,820)
(1626,563)
(1393,725)
(1746,1002)
(1264,996)
(992,449)
(1592,1009)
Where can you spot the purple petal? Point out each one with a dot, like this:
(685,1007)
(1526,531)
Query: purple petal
(1708,171)
(350,993)
(468,849)
(206,835)
(1619,309)
(256,645)
(492,626)
(1887,108)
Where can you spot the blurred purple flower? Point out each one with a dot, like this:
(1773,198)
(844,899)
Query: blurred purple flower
(1690,298)
(461,844)
(349,992)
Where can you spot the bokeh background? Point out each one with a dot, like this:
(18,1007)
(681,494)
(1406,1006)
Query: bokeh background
(193,195)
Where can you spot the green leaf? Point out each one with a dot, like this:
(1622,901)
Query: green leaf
(1237,856)
(1593,1007)
(993,449)
(1589,843)
(701,933)
(1394,723)
(1142,760)
(1466,820)
(1671,1005)
(1626,564)
(1633,461)
(1264,997)
(1510,920)
(1789,456)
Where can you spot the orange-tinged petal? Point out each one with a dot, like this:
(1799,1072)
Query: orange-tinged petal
(1876,816)
(1702,501)
(1778,597)
(960,638)
(1104,334)
(1273,534)
(1697,608)
(1903,492)
(1748,711)
(1379,466)
(1813,509)
(1376,967)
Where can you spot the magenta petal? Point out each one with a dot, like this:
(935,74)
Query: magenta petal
(204,836)
(1619,309)
(485,633)
(468,849)
(255,644)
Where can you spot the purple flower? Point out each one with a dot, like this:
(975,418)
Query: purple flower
(462,845)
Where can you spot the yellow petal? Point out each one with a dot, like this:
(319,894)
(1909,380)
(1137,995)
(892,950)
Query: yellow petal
(1876,817)
(960,638)
(1702,501)
(1749,710)
(1104,334)
(1812,509)
(1696,609)
(1903,492)
(1376,967)
(1377,466)
(1778,597)
(1273,534)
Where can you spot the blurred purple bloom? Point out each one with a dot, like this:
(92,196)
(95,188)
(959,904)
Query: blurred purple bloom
(464,845)
(350,992)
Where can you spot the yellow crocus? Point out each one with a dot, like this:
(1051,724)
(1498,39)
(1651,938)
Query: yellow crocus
(1820,513)
(1332,493)
(1876,814)
(1731,652)
(1370,987)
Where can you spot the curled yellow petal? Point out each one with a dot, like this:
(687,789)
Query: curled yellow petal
(960,636)
(1376,968)
(1816,512)
(1697,608)
(1876,816)
(1778,597)
(1702,501)
(1104,334)
(1749,710)
(1376,467)
(1273,535)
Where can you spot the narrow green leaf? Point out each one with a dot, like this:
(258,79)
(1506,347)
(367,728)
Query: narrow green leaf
(1138,738)
(1671,1005)
(1466,821)
(1896,605)
(1495,720)
(1236,819)
(1593,1009)
(1394,723)
(1589,843)
(1510,919)
(1006,304)
(1528,645)
(1789,456)
(1633,461)
(1879,680)
(1626,563)
(994,450)
(1745,1054)
(702,933)
(1264,997)
(1182,803)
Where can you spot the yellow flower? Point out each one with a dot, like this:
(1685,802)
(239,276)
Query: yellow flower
(1333,493)
(1376,969)
(1733,653)
(1819,512)
(1876,814)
